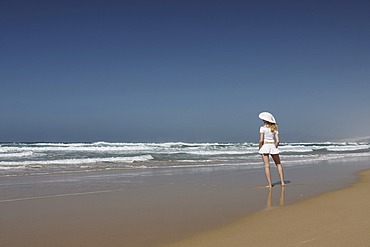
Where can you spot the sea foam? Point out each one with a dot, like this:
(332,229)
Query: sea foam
(106,155)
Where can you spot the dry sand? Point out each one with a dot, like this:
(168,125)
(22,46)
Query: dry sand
(339,218)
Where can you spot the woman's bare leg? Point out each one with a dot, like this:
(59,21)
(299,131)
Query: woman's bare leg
(266,162)
(276,159)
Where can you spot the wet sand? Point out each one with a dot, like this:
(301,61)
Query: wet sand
(117,208)
(339,218)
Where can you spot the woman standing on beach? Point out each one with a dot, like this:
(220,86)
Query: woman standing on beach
(268,145)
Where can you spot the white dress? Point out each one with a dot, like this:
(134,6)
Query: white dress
(268,147)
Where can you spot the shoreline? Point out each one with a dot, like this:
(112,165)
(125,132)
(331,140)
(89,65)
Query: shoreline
(152,209)
(335,218)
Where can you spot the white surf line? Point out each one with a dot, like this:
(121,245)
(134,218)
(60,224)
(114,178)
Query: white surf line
(59,195)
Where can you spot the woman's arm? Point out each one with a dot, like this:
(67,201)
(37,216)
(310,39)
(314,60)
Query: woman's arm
(277,139)
(261,140)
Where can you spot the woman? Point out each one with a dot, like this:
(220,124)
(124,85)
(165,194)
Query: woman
(268,145)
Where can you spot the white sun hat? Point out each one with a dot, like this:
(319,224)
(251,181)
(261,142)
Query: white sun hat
(267,117)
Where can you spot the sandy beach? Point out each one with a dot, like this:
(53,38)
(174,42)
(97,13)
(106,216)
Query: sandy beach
(339,218)
(188,208)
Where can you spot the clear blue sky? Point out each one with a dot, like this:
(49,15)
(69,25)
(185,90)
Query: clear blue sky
(146,71)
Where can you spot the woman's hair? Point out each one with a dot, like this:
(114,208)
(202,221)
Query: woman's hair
(273,127)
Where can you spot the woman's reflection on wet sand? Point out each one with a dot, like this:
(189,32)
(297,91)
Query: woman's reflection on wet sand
(269,198)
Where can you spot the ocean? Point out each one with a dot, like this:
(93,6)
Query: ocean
(20,159)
